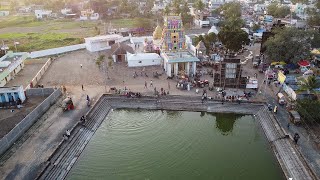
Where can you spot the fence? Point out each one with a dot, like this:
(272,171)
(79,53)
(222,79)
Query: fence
(54,51)
(8,140)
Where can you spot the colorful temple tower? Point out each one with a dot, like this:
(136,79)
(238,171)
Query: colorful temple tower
(173,35)
(177,60)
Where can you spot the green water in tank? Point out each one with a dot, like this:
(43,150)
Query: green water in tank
(148,145)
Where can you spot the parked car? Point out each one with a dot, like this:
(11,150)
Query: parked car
(295,117)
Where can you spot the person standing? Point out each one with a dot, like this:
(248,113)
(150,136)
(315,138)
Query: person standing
(81,66)
(151,83)
(145,85)
(82,87)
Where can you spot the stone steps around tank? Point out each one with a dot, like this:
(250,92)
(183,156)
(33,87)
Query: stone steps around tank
(61,163)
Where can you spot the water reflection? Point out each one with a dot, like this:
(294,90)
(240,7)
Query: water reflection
(173,114)
(225,122)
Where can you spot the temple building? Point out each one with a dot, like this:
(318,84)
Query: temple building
(177,60)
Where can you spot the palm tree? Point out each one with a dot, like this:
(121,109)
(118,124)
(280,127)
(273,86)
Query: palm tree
(309,84)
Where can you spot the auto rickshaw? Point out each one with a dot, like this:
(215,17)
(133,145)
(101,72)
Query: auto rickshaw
(67,104)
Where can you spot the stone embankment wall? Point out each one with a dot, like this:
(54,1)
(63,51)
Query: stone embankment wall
(30,119)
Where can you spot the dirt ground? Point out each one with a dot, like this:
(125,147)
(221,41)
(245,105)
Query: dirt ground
(30,69)
(9,119)
(66,71)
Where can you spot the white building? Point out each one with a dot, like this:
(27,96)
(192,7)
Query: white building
(100,43)
(143,59)
(4,13)
(89,14)
(66,11)
(11,94)
(42,13)
(259,7)
(10,65)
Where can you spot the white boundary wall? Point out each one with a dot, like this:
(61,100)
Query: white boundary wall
(54,51)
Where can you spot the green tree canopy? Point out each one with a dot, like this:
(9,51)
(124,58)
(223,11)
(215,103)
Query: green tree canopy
(309,110)
(233,38)
(309,84)
(314,17)
(199,5)
(289,45)
(255,27)
(300,1)
(229,10)
(233,23)
(315,40)
(185,16)
(278,12)
(317,4)
(167,10)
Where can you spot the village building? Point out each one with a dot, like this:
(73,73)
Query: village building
(100,43)
(10,64)
(88,14)
(201,18)
(4,13)
(119,51)
(11,94)
(143,59)
(40,14)
(176,57)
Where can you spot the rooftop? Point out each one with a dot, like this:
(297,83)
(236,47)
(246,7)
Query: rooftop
(182,56)
(103,38)
(10,61)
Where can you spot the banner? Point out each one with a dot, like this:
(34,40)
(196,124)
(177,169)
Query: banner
(281,77)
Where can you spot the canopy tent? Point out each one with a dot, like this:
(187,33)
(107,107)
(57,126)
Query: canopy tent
(278,63)
(304,63)
(315,51)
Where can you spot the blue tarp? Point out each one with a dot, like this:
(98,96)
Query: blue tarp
(260,30)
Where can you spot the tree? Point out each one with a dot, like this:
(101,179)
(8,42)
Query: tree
(314,18)
(185,16)
(315,40)
(309,84)
(255,27)
(233,23)
(229,10)
(309,110)
(233,38)
(176,6)
(289,45)
(199,5)
(317,4)
(167,10)
(300,1)
(278,12)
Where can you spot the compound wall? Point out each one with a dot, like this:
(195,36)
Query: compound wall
(8,140)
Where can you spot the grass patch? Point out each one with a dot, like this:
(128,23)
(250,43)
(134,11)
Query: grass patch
(32,21)
(37,41)
(127,23)
(20,21)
